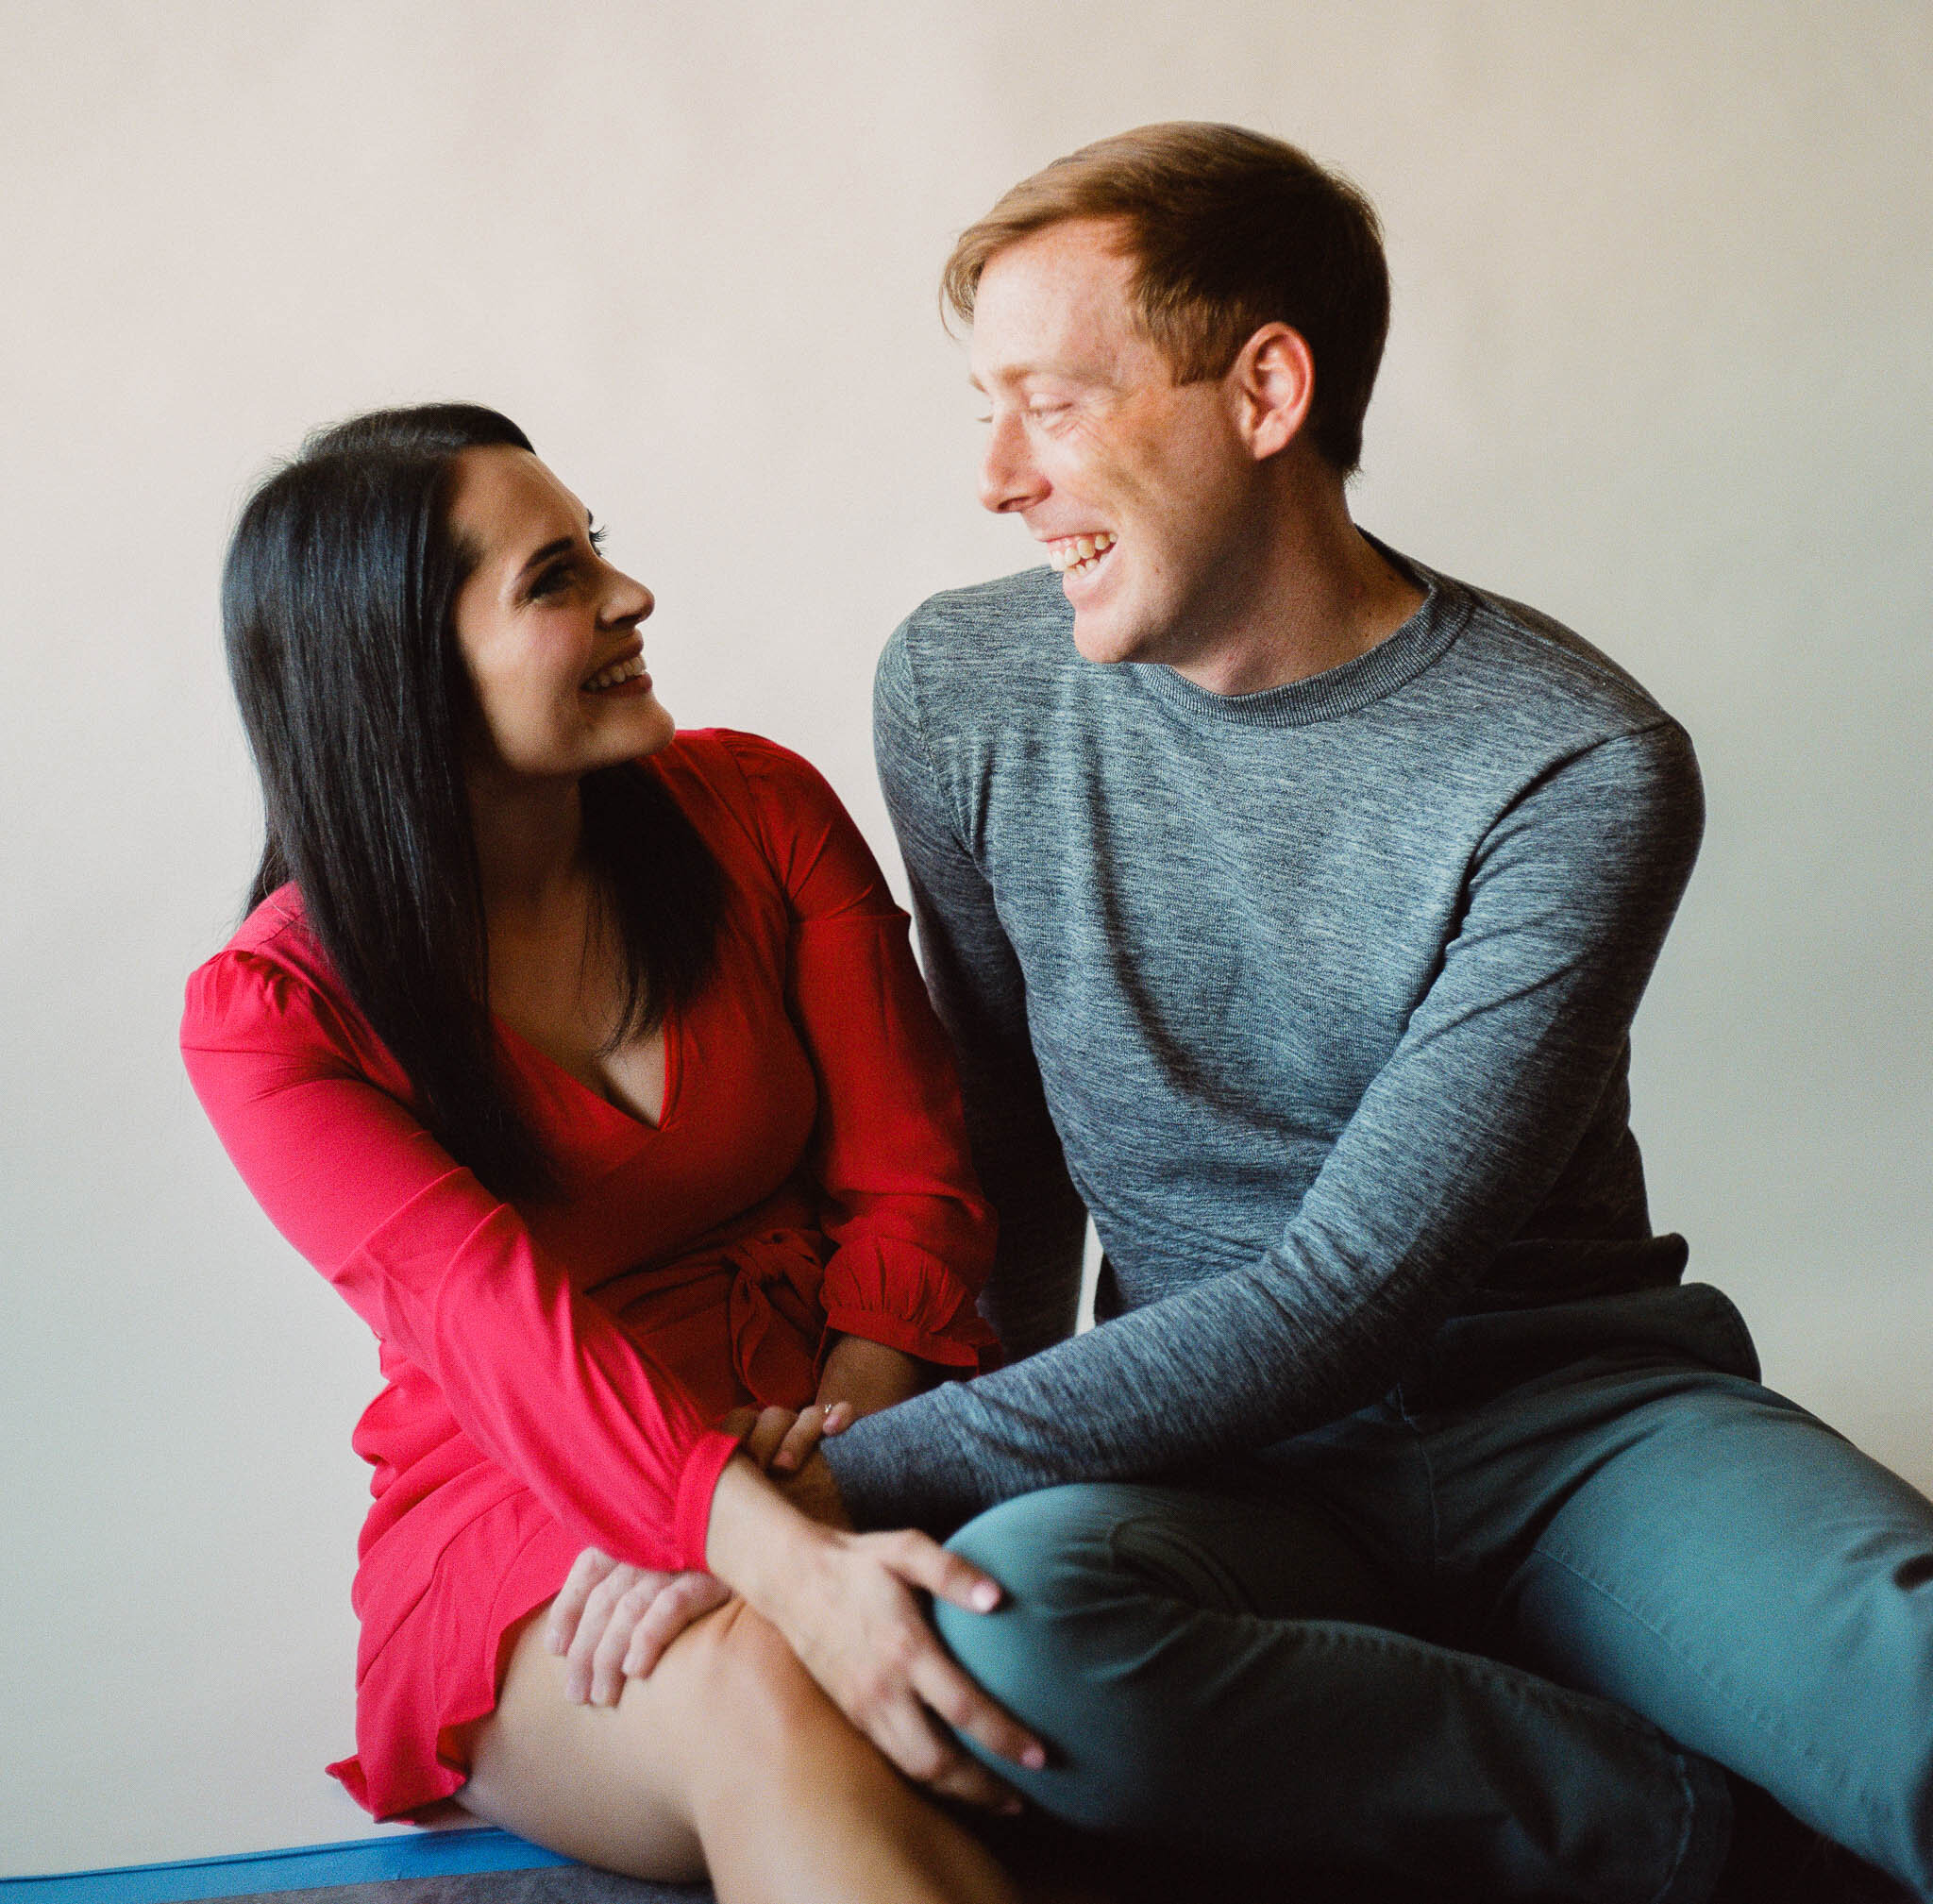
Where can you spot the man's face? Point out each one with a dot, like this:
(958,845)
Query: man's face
(1141,488)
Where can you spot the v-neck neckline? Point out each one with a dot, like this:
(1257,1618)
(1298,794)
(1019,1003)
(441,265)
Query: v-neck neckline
(674,1074)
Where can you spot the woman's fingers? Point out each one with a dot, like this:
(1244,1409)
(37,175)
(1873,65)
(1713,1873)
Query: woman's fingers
(932,1670)
(592,1625)
(607,1658)
(944,1575)
(689,1597)
(559,1628)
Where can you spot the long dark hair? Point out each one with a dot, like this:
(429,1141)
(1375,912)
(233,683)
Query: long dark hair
(337,606)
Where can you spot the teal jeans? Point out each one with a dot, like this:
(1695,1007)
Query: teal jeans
(1492,1636)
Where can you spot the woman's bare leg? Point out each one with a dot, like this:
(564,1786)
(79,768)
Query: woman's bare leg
(727,1762)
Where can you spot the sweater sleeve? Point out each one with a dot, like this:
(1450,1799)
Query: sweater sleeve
(913,1236)
(1453,1145)
(976,988)
(537,1375)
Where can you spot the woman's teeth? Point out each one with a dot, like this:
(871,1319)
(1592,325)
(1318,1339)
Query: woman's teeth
(616,675)
(1076,554)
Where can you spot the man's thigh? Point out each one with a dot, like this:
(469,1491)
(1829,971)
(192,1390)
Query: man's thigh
(1709,1555)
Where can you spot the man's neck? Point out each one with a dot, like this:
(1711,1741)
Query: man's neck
(1318,594)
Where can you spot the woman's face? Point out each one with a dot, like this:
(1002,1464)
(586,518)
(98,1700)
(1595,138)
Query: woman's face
(549,630)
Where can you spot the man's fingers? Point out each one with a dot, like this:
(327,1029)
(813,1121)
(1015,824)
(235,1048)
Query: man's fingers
(561,1627)
(800,1440)
(769,1433)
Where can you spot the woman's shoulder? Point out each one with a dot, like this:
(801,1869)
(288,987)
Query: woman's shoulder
(746,767)
(270,970)
(768,793)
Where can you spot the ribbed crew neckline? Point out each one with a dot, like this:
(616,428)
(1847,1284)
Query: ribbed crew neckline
(1352,685)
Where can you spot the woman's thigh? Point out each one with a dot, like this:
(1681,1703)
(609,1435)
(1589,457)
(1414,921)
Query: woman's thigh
(623,1786)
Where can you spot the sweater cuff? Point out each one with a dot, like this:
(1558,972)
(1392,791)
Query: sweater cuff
(691,1518)
(890,1471)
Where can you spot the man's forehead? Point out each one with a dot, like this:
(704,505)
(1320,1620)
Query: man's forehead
(1056,303)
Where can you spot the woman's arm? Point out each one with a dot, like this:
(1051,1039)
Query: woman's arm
(914,1238)
(538,1376)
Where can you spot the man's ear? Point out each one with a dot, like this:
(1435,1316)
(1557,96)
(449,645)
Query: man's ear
(1273,380)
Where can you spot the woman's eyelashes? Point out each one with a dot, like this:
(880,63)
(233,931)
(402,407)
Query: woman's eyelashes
(557,576)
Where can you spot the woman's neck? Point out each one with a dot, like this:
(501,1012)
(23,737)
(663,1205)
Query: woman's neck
(530,839)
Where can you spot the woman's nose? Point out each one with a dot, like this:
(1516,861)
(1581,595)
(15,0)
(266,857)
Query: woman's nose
(628,600)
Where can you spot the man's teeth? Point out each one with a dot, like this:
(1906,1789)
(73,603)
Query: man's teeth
(616,675)
(1079,554)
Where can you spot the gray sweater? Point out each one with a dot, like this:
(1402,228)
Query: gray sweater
(1318,999)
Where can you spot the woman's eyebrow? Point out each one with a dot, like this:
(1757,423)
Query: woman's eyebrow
(561,546)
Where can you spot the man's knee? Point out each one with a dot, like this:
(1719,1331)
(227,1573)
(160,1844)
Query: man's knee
(1054,1554)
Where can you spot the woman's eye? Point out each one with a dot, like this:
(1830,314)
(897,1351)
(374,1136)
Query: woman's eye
(551,581)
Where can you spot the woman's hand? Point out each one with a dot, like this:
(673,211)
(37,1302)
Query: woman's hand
(846,1602)
(614,1621)
(868,1376)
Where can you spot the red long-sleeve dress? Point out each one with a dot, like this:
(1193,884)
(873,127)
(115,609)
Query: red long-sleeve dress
(555,1373)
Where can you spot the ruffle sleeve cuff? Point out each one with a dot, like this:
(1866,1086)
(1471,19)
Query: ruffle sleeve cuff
(892,1291)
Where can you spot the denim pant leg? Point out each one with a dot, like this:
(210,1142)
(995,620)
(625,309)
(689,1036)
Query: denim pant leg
(1710,1556)
(1219,1670)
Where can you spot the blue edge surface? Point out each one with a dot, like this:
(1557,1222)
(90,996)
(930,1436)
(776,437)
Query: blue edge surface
(309,1867)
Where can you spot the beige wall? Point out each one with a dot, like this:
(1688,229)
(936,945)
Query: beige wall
(1660,364)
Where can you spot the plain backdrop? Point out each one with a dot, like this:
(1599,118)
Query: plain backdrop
(1661,363)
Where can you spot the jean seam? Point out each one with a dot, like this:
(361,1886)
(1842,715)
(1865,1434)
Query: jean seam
(1769,1721)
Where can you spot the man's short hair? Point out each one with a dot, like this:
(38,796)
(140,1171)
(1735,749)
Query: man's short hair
(1229,230)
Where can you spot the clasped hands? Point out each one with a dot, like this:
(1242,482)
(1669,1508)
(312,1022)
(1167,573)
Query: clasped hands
(780,1537)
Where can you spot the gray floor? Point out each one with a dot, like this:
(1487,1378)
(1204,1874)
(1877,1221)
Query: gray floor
(553,1885)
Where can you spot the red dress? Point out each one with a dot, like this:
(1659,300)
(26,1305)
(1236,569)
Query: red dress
(555,1373)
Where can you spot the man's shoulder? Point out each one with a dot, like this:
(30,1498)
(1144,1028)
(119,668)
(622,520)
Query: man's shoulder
(990,623)
(1544,667)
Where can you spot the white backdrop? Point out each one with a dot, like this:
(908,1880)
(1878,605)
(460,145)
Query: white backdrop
(1660,364)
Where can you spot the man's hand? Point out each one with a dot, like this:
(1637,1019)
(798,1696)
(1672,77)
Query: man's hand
(846,1602)
(614,1621)
(813,1490)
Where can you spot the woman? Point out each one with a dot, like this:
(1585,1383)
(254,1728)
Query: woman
(588,1061)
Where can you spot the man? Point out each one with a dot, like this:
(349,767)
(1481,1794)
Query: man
(1290,905)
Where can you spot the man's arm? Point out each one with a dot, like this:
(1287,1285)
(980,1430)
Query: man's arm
(1455,1144)
(976,986)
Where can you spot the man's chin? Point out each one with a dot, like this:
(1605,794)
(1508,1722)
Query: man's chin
(1097,638)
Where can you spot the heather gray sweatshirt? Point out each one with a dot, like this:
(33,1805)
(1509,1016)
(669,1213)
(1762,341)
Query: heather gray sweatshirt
(1316,998)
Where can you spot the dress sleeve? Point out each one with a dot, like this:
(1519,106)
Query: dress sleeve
(913,1236)
(537,1375)
(1453,1145)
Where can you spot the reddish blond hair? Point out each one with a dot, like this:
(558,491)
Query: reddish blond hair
(1229,230)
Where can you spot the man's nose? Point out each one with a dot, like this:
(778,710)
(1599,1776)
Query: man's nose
(1009,478)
